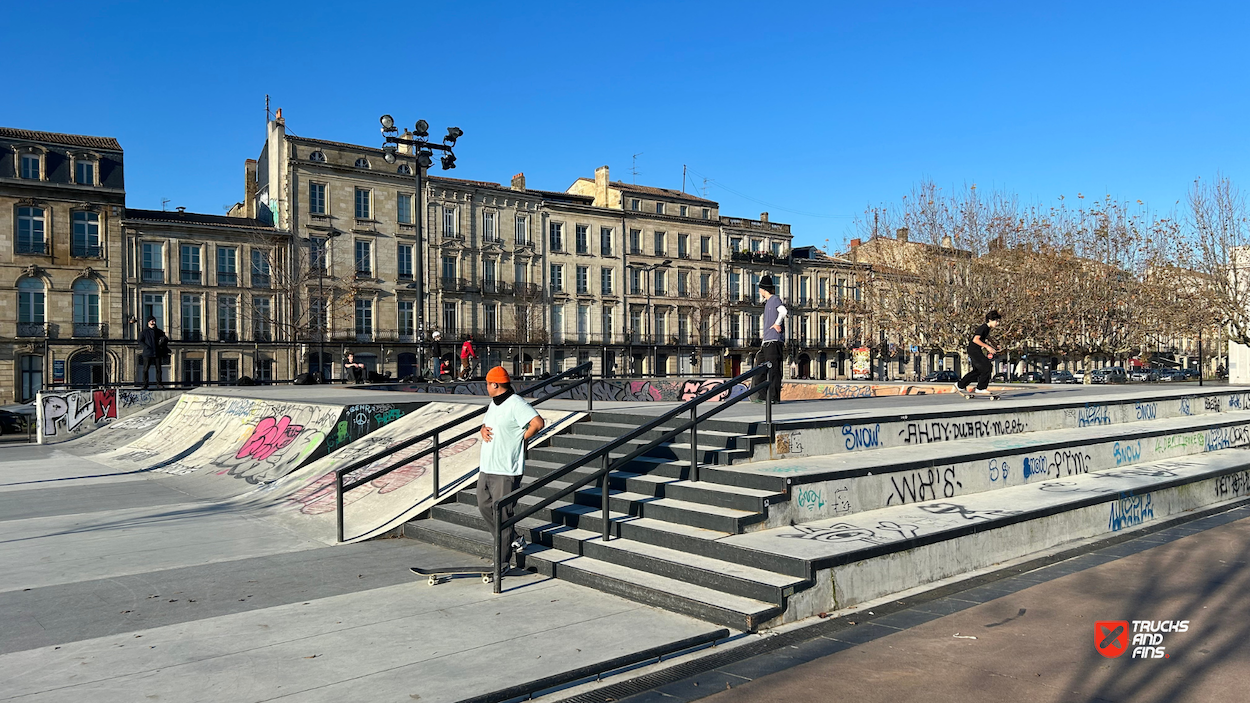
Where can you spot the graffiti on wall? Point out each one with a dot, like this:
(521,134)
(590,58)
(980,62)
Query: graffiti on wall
(64,415)
(361,420)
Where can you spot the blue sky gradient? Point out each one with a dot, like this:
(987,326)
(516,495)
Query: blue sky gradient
(813,112)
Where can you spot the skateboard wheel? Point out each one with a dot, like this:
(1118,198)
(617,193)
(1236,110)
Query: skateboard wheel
(433,581)
(486,578)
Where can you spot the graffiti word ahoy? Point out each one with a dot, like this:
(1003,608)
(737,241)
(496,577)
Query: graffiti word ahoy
(1130,511)
(926,432)
(861,437)
(916,486)
(269,436)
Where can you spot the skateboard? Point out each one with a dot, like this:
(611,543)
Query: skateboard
(970,396)
(437,576)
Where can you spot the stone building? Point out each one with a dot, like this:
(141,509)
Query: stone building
(61,203)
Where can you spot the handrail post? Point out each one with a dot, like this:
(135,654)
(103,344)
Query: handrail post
(437,485)
(497,538)
(338,503)
(694,443)
(768,414)
(590,393)
(604,499)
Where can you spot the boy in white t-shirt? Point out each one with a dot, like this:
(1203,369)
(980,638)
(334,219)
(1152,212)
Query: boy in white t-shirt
(509,423)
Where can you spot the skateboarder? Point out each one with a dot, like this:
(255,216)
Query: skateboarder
(980,351)
(354,369)
(773,340)
(509,423)
(467,357)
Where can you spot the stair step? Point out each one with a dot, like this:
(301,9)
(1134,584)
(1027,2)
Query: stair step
(740,613)
(703,492)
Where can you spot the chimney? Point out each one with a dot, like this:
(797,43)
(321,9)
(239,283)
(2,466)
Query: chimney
(518,182)
(249,189)
(855,243)
(182,209)
(601,186)
(405,148)
(947,242)
(278,117)
(901,233)
(763,217)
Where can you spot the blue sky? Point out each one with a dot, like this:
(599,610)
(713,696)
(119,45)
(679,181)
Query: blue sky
(810,111)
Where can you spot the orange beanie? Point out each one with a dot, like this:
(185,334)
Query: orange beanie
(498,375)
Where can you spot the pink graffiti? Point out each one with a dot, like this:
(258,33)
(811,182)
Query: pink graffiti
(269,436)
(637,387)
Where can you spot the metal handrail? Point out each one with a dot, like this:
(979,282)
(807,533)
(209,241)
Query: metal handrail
(604,454)
(340,488)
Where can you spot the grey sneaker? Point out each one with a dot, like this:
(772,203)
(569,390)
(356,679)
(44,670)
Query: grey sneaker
(518,545)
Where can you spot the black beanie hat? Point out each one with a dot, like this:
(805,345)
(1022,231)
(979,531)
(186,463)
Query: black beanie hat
(766,283)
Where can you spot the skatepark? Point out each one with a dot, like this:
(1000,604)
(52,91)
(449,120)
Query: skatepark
(193,535)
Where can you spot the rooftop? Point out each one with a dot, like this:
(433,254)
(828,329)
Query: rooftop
(78,140)
(653,191)
(195,218)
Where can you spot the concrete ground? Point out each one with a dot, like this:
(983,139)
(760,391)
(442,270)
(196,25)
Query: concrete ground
(1031,637)
(121,588)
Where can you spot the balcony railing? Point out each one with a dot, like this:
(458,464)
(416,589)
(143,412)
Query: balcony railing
(495,288)
(190,335)
(364,336)
(189,276)
(92,330)
(227,278)
(262,335)
(32,329)
(260,280)
(31,248)
(227,336)
(527,290)
(405,276)
(82,251)
(153,275)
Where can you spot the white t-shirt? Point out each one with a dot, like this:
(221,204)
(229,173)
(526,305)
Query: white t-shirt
(505,452)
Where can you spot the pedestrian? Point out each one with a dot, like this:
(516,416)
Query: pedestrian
(437,350)
(155,344)
(774,338)
(509,423)
(354,369)
(980,351)
(467,357)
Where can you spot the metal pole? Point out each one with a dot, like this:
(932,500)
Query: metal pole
(590,393)
(338,503)
(694,443)
(604,499)
(437,485)
(419,273)
(768,411)
(1199,356)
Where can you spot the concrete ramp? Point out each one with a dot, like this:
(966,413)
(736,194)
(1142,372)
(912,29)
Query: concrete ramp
(304,500)
(122,432)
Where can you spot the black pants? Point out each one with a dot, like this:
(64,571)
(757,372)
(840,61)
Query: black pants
(150,362)
(982,369)
(771,351)
(490,488)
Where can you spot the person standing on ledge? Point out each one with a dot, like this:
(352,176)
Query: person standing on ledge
(980,351)
(509,423)
(467,357)
(155,345)
(774,339)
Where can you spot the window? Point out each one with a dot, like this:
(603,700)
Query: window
(153,306)
(707,214)
(317,315)
(488,275)
(317,198)
(855,290)
(840,296)
(705,329)
(449,318)
(683,246)
(683,326)
(705,285)
(403,208)
(776,246)
(364,318)
(583,239)
(583,280)
(264,369)
(755,288)
(317,157)
(406,318)
(605,320)
(605,281)
(364,203)
(227,318)
(635,281)
(735,244)
(822,288)
(659,244)
(522,230)
(683,283)
(191,329)
(262,319)
(364,258)
(404,262)
(841,329)
(685,211)
(635,204)
(659,208)
(86,307)
(227,266)
(605,241)
(228,370)
(192,371)
(557,323)
(32,377)
(261,275)
(30,167)
(449,272)
(492,320)
(84,173)
(153,263)
(635,325)
(30,231)
(488,227)
(451,222)
(757,245)
(317,254)
(583,324)
(735,285)
(661,282)
(635,241)
(556,231)
(557,278)
(705,247)
(30,307)
(520,273)
(189,268)
(362,162)
(404,170)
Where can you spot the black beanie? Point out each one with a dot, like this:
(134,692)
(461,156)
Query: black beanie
(766,283)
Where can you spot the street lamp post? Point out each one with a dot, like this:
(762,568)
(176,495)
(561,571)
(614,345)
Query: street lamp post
(422,151)
(323,310)
(650,271)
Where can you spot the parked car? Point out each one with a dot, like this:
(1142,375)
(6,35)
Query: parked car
(12,423)
(1111,374)
(1078,376)
(1003,377)
(939,376)
(1169,375)
(1031,377)
(1062,377)
(1144,375)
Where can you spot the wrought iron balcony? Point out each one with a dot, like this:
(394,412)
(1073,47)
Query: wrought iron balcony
(227,278)
(153,275)
(495,288)
(190,276)
(84,251)
(190,335)
(91,330)
(38,248)
(32,329)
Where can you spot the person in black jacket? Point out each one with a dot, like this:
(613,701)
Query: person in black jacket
(155,345)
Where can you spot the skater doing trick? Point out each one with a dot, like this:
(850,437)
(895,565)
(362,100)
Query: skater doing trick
(980,351)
